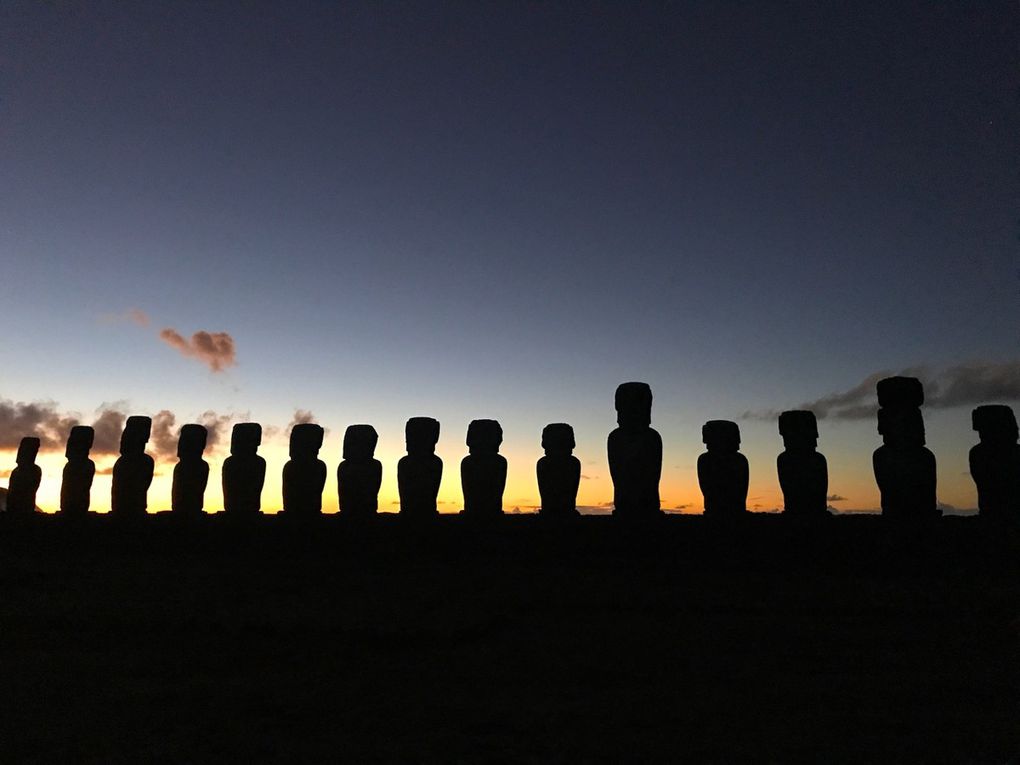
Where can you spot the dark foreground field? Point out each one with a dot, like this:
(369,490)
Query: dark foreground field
(684,642)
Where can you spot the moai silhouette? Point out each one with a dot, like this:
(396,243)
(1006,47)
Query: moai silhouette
(132,472)
(904,468)
(803,472)
(420,472)
(78,472)
(304,476)
(483,471)
(635,454)
(25,479)
(360,474)
(995,463)
(191,473)
(244,472)
(559,472)
(722,470)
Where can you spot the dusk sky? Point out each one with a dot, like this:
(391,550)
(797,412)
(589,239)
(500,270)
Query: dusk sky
(503,210)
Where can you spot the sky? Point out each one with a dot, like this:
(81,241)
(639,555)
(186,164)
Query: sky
(364,212)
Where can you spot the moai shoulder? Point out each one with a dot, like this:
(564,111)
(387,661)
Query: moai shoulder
(803,472)
(304,476)
(723,470)
(420,471)
(483,471)
(25,479)
(359,475)
(559,472)
(132,472)
(76,483)
(191,473)
(244,471)
(635,454)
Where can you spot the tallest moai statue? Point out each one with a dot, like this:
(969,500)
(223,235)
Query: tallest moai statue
(904,468)
(635,454)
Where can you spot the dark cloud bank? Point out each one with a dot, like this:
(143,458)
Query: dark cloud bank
(966,384)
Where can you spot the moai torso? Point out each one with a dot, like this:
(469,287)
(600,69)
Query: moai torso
(76,483)
(803,472)
(244,471)
(191,473)
(359,475)
(420,472)
(25,479)
(132,472)
(635,454)
(723,471)
(483,471)
(995,463)
(559,472)
(904,468)
(304,476)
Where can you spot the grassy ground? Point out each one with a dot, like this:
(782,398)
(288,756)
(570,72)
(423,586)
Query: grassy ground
(848,642)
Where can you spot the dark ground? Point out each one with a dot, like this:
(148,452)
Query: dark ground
(684,642)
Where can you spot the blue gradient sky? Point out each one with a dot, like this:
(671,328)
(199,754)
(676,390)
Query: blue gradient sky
(504,210)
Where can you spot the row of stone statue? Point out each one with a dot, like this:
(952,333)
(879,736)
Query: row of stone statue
(904,468)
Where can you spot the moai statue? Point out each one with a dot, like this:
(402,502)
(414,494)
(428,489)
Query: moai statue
(132,472)
(483,471)
(559,472)
(904,468)
(360,474)
(803,472)
(25,479)
(635,454)
(304,476)
(420,472)
(191,473)
(995,462)
(722,470)
(244,471)
(78,472)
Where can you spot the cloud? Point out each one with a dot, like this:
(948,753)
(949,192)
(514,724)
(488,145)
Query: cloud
(585,477)
(966,384)
(835,498)
(166,431)
(301,417)
(682,507)
(214,349)
(51,426)
(133,315)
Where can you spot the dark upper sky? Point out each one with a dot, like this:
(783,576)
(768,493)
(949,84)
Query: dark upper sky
(747,206)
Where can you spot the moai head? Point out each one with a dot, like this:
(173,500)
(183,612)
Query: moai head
(305,441)
(558,438)
(897,392)
(995,424)
(245,438)
(799,430)
(135,435)
(484,437)
(634,405)
(359,442)
(79,442)
(721,436)
(27,450)
(901,428)
(191,442)
(421,435)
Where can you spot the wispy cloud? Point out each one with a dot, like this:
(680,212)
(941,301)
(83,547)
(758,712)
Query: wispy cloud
(214,349)
(835,498)
(966,384)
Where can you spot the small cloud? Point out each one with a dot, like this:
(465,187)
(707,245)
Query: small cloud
(835,498)
(138,316)
(6,473)
(682,507)
(585,477)
(301,417)
(105,470)
(214,349)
